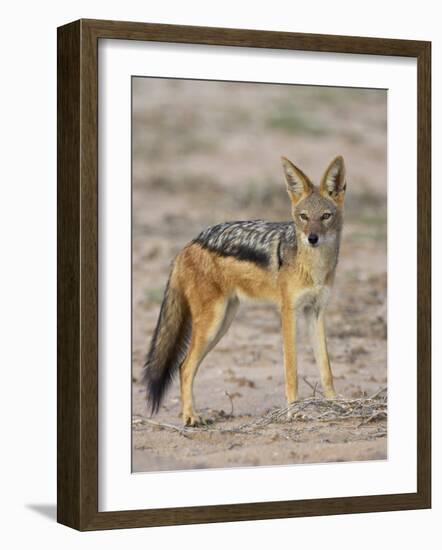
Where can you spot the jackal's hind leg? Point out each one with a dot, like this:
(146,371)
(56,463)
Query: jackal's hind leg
(208,327)
(230,311)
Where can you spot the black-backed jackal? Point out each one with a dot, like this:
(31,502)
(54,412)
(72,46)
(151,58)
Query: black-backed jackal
(290,263)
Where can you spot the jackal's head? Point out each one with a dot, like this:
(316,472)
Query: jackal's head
(316,211)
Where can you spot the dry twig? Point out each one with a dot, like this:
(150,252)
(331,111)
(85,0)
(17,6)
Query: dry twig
(314,388)
(231,403)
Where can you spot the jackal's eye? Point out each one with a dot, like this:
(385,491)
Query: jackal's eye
(303,216)
(326,216)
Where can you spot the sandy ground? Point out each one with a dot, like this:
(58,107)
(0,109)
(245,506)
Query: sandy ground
(209,152)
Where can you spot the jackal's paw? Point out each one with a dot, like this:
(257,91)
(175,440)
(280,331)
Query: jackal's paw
(330,394)
(193,420)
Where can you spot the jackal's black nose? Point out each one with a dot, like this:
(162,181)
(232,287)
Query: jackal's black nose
(313,238)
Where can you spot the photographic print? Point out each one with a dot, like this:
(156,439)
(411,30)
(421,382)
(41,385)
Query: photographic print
(259,274)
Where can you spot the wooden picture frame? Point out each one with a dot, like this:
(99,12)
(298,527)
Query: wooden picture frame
(77,459)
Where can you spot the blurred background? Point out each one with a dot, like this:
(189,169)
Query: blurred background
(208,152)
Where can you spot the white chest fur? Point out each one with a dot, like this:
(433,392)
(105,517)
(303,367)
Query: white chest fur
(315,297)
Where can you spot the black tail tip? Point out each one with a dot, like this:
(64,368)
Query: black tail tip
(154,398)
(154,391)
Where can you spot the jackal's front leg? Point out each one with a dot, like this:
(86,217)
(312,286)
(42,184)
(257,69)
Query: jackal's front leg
(319,344)
(288,318)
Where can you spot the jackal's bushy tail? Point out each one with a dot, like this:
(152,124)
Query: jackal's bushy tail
(168,347)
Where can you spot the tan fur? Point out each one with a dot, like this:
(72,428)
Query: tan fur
(211,284)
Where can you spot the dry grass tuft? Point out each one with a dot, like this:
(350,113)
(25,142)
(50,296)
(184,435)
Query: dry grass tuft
(313,409)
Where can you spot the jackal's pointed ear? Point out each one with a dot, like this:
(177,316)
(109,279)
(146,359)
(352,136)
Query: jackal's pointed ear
(333,183)
(298,184)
